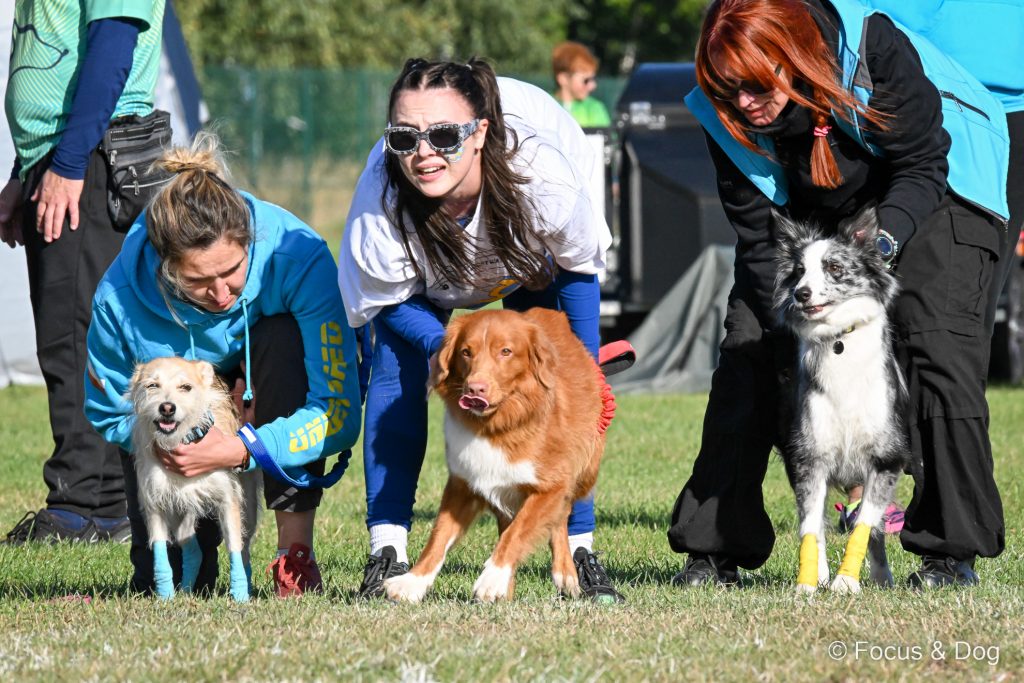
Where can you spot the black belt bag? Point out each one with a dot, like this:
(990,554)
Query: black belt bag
(131,145)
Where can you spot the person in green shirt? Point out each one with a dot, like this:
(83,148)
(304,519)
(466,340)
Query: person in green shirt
(77,69)
(575,70)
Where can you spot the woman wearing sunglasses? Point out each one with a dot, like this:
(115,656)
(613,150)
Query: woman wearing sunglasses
(817,108)
(476,195)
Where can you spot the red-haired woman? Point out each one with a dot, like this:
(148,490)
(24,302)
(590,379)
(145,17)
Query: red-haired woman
(818,107)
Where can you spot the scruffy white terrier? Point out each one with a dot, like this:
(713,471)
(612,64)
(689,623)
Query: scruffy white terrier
(176,401)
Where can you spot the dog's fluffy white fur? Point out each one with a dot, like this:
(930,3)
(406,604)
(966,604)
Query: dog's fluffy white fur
(833,292)
(171,397)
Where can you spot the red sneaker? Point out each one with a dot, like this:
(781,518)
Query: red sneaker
(295,573)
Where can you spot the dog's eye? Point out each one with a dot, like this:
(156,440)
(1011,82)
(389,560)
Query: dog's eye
(466,353)
(799,270)
(186,388)
(506,351)
(834,269)
(153,385)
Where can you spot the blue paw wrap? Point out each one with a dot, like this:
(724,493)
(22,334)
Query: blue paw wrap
(191,558)
(239,578)
(163,577)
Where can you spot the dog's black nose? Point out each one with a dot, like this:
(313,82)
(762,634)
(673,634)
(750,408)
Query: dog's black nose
(803,294)
(167,409)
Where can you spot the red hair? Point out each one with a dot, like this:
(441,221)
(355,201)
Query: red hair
(569,56)
(747,40)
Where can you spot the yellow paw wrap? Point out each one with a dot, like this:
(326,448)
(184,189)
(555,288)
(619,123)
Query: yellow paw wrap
(808,575)
(856,548)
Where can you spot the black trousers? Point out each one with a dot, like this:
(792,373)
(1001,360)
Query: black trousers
(280,385)
(942,342)
(83,474)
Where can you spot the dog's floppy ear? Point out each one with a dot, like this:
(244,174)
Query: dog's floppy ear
(862,228)
(439,368)
(543,356)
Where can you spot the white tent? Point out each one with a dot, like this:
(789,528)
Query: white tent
(177,92)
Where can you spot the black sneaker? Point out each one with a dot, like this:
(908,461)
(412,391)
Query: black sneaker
(52,526)
(594,581)
(701,570)
(939,572)
(377,569)
(113,529)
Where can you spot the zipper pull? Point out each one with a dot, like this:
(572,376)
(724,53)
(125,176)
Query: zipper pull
(135,179)
(950,96)
(113,156)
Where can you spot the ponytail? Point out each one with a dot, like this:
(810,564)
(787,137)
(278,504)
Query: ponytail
(824,170)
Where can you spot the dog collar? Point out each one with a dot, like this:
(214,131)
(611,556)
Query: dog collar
(837,344)
(200,430)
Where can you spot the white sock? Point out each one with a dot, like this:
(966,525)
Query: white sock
(281,552)
(394,535)
(582,541)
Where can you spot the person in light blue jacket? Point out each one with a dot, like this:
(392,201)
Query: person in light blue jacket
(984,36)
(211,273)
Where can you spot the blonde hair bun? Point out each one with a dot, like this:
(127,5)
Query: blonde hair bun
(203,155)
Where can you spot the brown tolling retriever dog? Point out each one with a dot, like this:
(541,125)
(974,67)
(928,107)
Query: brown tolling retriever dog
(526,412)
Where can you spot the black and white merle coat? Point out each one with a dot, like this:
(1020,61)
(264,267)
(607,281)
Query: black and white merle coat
(833,292)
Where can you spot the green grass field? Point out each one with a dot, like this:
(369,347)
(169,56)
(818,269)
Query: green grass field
(762,632)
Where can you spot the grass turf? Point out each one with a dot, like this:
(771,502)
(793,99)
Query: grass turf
(762,632)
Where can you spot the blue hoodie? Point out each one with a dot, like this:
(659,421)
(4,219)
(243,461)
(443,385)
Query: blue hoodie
(291,271)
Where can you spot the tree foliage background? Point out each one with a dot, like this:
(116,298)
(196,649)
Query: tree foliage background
(516,35)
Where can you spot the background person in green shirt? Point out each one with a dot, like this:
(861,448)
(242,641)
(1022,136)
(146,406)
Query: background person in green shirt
(575,69)
(77,68)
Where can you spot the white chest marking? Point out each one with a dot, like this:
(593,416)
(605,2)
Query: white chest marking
(486,469)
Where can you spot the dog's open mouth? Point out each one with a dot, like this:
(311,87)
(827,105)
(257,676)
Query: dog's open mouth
(477,404)
(166,426)
(815,310)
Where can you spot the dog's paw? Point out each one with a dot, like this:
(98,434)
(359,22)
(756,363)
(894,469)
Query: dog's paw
(493,583)
(567,584)
(805,589)
(823,576)
(407,588)
(845,584)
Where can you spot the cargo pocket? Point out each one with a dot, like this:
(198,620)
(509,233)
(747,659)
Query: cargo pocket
(973,252)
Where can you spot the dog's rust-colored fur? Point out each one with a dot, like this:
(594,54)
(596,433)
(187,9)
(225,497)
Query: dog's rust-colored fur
(523,404)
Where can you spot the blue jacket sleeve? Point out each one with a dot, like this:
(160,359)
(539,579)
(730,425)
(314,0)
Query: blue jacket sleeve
(109,50)
(108,372)
(330,421)
(579,296)
(417,321)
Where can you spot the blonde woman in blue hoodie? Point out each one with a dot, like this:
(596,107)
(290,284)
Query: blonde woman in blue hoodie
(212,273)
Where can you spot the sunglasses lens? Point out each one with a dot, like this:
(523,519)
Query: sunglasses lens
(445,138)
(753,88)
(402,141)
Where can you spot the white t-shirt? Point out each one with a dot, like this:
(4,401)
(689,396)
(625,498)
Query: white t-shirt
(375,271)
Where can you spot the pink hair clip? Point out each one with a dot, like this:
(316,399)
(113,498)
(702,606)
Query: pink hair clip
(821,131)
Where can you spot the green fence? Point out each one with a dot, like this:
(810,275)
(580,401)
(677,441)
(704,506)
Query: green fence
(299,136)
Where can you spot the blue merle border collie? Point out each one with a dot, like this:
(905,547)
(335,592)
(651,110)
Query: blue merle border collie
(833,291)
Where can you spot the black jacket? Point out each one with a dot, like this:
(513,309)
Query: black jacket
(907,183)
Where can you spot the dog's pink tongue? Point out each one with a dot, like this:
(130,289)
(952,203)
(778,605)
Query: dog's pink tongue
(168,426)
(477,403)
